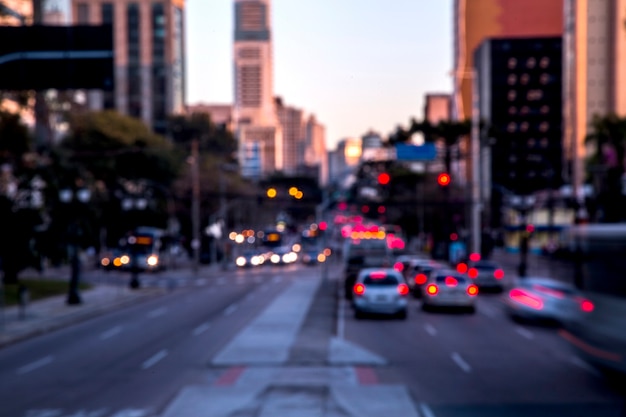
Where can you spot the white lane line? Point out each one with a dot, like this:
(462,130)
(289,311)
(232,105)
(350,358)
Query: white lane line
(430,329)
(426,411)
(341,318)
(110,333)
(461,362)
(525,333)
(230,309)
(39,363)
(157,313)
(575,360)
(201,329)
(154,359)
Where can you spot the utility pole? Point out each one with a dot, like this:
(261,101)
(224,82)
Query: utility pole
(223,217)
(41,110)
(475,148)
(195,204)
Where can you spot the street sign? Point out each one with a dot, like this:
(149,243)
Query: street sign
(425,152)
(56,57)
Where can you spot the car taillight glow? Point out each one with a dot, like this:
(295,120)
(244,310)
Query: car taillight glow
(420,279)
(378,275)
(472,290)
(526,298)
(549,291)
(403,289)
(432,289)
(472,273)
(451,282)
(461,268)
(498,274)
(586,306)
(359,289)
(398,266)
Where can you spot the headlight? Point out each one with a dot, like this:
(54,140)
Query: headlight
(286,258)
(117,262)
(255,260)
(321,257)
(275,258)
(125,260)
(153,260)
(241,261)
(105,261)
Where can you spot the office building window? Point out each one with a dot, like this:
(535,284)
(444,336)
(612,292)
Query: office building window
(134,60)
(158,33)
(82,11)
(107,13)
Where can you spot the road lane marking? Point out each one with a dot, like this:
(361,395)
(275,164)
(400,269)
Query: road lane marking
(39,363)
(461,362)
(110,333)
(201,329)
(154,359)
(525,333)
(425,410)
(230,309)
(575,360)
(430,329)
(341,318)
(157,313)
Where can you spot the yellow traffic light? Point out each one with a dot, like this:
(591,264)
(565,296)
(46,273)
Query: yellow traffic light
(271,192)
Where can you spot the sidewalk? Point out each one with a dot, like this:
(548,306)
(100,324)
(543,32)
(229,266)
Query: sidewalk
(53,313)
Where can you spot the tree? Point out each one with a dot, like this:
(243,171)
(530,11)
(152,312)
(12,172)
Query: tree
(216,140)
(15,140)
(606,164)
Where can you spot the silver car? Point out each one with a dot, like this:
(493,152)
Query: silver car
(449,288)
(486,274)
(380,291)
(545,299)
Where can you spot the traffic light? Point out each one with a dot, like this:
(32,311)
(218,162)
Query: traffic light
(323,226)
(443,179)
(271,192)
(383,178)
(530,228)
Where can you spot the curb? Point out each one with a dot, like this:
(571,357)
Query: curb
(77,318)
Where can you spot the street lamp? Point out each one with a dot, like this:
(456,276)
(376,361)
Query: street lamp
(75,200)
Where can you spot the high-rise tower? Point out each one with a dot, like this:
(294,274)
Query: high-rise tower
(254,91)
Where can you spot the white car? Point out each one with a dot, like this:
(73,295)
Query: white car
(380,291)
(545,299)
(448,288)
(487,275)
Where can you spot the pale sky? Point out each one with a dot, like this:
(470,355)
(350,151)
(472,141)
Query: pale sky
(355,64)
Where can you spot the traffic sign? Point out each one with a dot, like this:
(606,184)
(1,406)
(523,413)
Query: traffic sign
(425,152)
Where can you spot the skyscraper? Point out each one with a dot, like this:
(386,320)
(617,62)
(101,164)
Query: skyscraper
(594,71)
(149,56)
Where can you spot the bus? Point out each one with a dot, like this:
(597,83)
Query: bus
(598,257)
(148,245)
(272,238)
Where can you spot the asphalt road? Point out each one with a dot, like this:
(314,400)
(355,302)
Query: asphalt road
(278,341)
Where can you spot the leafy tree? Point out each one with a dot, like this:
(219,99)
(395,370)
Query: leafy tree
(608,135)
(214,139)
(15,140)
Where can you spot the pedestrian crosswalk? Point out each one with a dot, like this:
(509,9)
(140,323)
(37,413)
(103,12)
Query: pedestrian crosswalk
(101,412)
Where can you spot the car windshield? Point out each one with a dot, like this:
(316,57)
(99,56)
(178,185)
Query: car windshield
(387,280)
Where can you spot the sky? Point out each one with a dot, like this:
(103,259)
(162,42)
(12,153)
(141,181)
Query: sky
(356,64)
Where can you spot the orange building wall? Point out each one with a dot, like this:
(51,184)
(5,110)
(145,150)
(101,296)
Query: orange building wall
(501,18)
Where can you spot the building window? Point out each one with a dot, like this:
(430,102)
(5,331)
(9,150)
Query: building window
(82,11)
(106,11)
(512,63)
(545,62)
(525,79)
(250,53)
(512,95)
(252,16)
(512,79)
(158,33)
(250,85)
(531,63)
(133,30)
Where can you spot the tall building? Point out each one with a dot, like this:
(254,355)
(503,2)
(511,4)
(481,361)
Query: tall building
(520,99)
(477,20)
(315,153)
(595,73)
(220,114)
(16,12)
(292,123)
(149,56)
(437,108)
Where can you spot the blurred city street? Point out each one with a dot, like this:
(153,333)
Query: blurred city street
(276,341)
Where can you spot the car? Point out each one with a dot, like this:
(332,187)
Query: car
(249,259)
(417,274)
(311,256)
(536,299)
(449,288)
(486,275)
(403,262)
(360,254)
(380,291)
(283,256)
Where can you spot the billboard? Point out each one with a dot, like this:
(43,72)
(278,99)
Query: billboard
(56,57)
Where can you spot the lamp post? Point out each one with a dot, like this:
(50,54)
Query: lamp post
(76,200)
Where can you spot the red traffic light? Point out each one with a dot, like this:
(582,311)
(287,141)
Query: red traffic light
(365,209)
(384,178)
(530,228)
(323,226)
(381,209)
(443,179)
(454,237)
(343,206)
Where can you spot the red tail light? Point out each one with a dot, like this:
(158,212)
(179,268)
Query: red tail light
(472,290)
(403,289)
(398,266)
(432,289)
(586,306)
(451,282)
(526,298)
(359,289)
(549,291)
(420,279)
(498,274)
(472,273)
(461,268)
